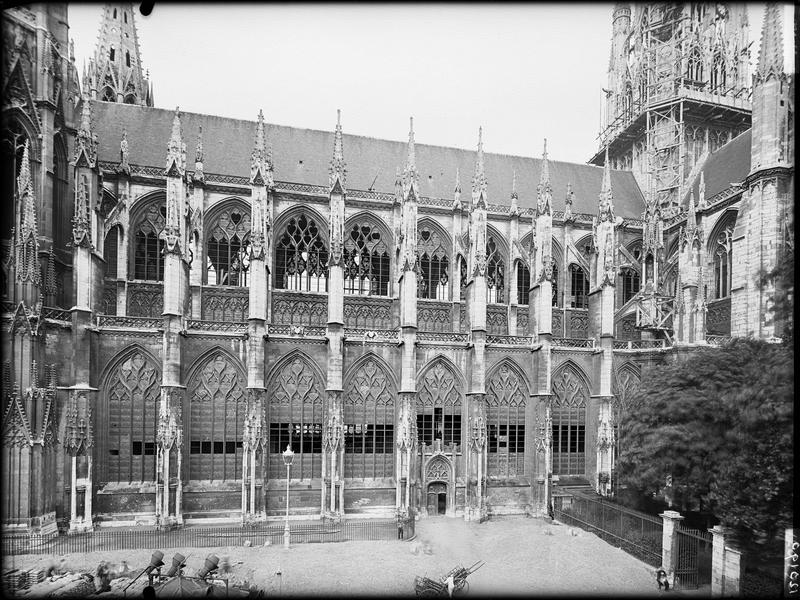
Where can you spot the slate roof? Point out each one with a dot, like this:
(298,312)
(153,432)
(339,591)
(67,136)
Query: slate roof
(729,164)
(303,156)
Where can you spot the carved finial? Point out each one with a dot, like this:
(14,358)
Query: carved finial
(457,192)
(337,171)
(199,174)
(85,143)
(544,178)
(410,174)
(770,55)
(691,217)
(28,236)
(514,204)
(479,180)
(176,151)
(701,201)
(568,217)
(261,158)
(544,192)
(606,208)
(124,154)
(80,220)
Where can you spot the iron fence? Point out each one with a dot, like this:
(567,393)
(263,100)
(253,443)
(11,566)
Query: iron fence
(192,536)
(693,566)
(637,533)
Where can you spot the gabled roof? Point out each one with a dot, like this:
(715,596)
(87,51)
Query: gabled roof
(303,156)
(729,164)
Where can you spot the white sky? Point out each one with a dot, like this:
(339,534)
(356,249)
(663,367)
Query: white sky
(523,72)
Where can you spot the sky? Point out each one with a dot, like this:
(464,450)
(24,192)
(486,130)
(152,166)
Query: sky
(524,72)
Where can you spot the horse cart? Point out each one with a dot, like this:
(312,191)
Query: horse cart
(430,588)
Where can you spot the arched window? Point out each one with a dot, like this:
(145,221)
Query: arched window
(723,260)
(579,297)
(13,146)
(296,417)
(132,394)
(556,299)
(523,283)
(630,283)
(495,270)
(301,257)
(694,66)
(506,395)
(369,422)
(109,95)
(569,423)
(439,407)
(148,243)
(718,75)
(366,260)
(217,414)
(110,252)
(434,264)
(62,217)
(227,256)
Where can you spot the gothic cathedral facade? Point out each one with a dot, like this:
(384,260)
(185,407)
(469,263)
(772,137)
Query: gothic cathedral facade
(173,319)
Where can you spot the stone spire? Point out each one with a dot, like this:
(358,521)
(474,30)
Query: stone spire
(27,266)
(85,142)
(544,191)
(479,180)
(199,175)
(260,159)
(337,171)
(514,198)
(176,149)
(410,173)
(115,70)
(770,56)
(606,205)
(457,191)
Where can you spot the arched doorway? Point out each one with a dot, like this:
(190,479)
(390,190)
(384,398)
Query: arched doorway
(437,498)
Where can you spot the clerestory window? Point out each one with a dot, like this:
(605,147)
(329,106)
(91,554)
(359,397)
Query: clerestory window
(301,257)
(148,243)
(495,270)
(434,265)
(366,261)
(227,254)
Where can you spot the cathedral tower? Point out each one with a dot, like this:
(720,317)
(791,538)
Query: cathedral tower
(115,72)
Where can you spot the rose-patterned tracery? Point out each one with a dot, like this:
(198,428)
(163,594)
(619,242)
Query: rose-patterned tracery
(366,260)
(439,406)
(569,422)
(132,395)
(369,421)
(506,395)
(434,264)
(495,271)
(296,417)
(301,256)
(218,410)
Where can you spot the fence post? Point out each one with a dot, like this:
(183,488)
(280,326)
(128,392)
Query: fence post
(726,564)
(669,540)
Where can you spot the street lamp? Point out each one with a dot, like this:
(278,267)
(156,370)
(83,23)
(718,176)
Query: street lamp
(288,457)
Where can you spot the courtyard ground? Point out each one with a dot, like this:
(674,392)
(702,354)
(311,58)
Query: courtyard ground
(525,556)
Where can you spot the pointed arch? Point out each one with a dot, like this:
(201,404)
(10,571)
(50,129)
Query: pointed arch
(506,398)
(570,389)
(369,416)
(130,394)
(497,255)
(147,237)
(625,387)
(296,391)
(227,229)
(719,248)
(215,393)
(301,250)
(367,255)
(434,247)
(439,403)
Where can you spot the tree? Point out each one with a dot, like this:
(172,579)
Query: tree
(718,423)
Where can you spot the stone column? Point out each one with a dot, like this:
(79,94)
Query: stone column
(727,566)
(669,540)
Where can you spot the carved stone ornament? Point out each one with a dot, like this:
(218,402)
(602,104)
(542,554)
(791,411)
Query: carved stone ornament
(477,433)
(406,433)
(169,432)
(334,429)
(438,469)
(81,228)
(605,434)
(79,435)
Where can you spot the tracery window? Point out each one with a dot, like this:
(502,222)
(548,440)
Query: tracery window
(462,270)
(217,419)
(723,260)
(718,75)
(630,283)
(62,215)
(296,416)
(505,417)
(369,422)
(301,257)
(132,395)
(580,287)
(568,413)
(439,407)
(13,146)
(227,254)
(110,252)
(366,261)
(625,387)
(555,284)
(523,283)
(434,274)
(694,67)
(495,269)
(148,243)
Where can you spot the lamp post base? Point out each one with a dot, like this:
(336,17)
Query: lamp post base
(286,536)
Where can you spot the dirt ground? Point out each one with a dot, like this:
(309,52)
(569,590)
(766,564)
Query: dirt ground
(525,556)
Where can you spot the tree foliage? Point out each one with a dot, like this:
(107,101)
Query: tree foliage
(718,422)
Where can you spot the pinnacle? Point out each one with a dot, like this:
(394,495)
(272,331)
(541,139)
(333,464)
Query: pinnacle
(479,181)
(337,168)
(544,178)
(770,56)
(198,157)
(606,175)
